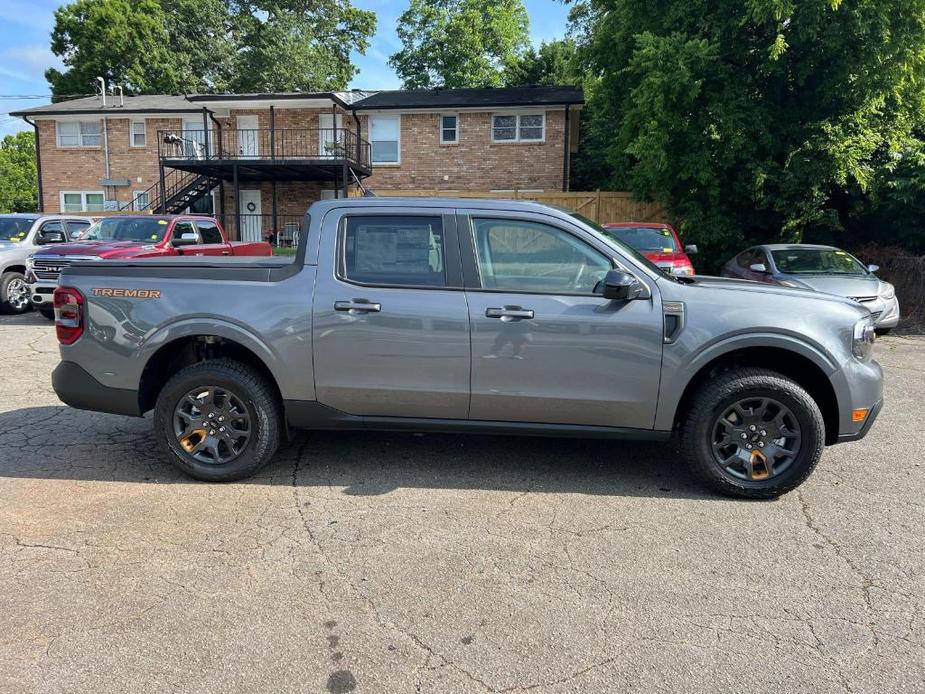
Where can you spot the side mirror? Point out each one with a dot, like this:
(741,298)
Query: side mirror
(188,239)
(619,286)
(759,268)
(50,237)
(691,249)
(873,268)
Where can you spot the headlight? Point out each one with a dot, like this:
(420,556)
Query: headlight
(682,270)
(887,291)
(30,263)
(864,335)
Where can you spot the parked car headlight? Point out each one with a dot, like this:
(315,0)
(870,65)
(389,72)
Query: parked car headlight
(864,335)
(887,291)
(30,263)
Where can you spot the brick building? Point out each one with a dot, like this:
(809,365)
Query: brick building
(259,160)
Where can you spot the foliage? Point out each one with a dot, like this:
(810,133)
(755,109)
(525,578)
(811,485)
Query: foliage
(553,63)
(459,43)
(151,46)
(18,179)
(763,121)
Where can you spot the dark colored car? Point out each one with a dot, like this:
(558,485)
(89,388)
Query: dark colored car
(822,269)
(657,242)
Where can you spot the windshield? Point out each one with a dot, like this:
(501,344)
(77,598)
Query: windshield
(620,244)
(830,261)
(126,229)
(645,239)
(14,228)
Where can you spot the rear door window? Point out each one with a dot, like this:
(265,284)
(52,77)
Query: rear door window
(393,251)
(76,228)
(209,232)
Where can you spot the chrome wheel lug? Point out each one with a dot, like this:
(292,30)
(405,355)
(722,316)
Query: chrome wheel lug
(223,429)
(744,436)
(753,428)
(749,446)
(211,432)
(761,444)
(764,433)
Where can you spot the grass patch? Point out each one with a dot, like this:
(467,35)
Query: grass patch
(284,251)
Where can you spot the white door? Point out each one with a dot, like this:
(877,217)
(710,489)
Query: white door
(251,220)
(248,137)
(330,135)
(194,138)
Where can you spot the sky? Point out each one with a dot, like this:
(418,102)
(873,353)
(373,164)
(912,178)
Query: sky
(25,31)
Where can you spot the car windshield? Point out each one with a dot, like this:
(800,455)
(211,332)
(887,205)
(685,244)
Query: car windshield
(829,261)
(620,244)
(126,229)
(14,228)
(645,239)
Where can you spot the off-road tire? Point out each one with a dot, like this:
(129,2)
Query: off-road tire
(260,400)
(5,280)
(720,392)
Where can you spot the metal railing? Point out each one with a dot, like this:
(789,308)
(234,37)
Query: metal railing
(286,144)
(175,183)
(283,232)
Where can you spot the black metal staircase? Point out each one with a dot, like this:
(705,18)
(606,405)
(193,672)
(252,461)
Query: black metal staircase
(181,189)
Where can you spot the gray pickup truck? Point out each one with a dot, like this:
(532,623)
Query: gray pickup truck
(466,316)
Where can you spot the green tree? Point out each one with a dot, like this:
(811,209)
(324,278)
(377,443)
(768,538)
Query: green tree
(459,43)
(151,46)
(761,120)
(553,63)
(18,179)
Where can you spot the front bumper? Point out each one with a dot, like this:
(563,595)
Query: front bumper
(42,293)
(79,389)
(868,423)
(884,311)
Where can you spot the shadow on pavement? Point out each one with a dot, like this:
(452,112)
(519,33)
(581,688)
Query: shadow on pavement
(58,442)
(32,318)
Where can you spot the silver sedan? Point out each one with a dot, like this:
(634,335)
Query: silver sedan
(823,269)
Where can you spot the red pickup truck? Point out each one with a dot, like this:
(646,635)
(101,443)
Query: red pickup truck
(132,236)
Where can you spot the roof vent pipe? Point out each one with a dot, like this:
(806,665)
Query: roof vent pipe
(121,97)
(102,83)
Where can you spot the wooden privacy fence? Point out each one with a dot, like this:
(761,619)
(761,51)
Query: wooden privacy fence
(599,206)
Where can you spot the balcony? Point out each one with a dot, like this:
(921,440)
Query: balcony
(266,154)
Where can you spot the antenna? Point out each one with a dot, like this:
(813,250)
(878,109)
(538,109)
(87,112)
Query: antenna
(102,84)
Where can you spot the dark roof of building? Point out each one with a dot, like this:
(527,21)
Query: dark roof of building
(148,103)
(358,99)
(472,98)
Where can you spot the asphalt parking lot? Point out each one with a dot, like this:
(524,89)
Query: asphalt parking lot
(401,563)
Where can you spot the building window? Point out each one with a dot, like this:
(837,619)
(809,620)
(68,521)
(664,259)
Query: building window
(84,133)
(82,201)
(518,127)
(385,139)
(140,200)
(138,133)
(449,130)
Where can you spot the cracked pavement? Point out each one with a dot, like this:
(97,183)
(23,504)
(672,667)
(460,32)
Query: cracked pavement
(402,563)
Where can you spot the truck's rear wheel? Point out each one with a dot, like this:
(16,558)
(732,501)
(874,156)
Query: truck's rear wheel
(14,293)
(218,421)
(752,433)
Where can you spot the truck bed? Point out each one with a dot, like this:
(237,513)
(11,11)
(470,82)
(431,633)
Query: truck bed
(247,268)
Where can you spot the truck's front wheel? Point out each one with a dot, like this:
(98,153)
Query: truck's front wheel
(218,421)
(752,433)
(14,293)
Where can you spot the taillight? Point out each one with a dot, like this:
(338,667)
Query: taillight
(68,304)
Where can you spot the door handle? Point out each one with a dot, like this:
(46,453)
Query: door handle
(509,313)
(358,305)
